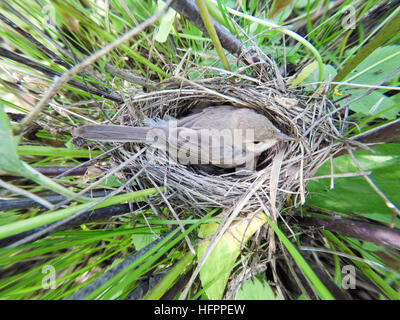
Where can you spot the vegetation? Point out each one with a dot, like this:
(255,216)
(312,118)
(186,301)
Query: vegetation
(57,235)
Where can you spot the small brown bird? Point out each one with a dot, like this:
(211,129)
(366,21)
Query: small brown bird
(224,136)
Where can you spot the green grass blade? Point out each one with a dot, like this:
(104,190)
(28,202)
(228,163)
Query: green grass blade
(309,273)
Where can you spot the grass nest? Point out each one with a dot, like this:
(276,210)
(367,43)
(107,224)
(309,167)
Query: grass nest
(281,170)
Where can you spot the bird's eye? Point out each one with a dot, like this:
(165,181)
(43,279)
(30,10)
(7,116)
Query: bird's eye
(257,142)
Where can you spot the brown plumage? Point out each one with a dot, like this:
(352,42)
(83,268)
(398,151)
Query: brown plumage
(224,136)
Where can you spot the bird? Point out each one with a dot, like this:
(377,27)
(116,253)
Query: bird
(224,136)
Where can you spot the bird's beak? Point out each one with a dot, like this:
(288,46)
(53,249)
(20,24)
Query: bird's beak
(283,136)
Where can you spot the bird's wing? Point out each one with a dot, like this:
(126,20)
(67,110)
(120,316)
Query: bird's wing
(217,117)
(199,147)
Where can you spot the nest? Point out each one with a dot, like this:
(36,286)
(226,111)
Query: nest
(281,170)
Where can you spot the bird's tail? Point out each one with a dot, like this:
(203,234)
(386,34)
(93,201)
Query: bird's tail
(112,133)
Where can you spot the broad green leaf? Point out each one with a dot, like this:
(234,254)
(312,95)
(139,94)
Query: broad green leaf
(142,240)
(354,194)
(165,23)
(396,98)
(305,73)
(9,160)
(329,73)
(284,14)
(303,3)
(215,272)
(111,181)
(255,289)
(376,103)
(373,70)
